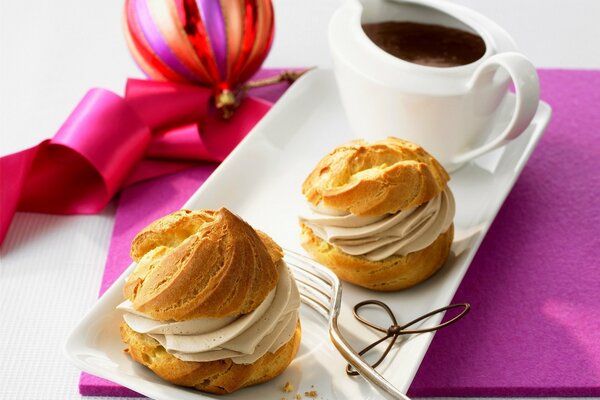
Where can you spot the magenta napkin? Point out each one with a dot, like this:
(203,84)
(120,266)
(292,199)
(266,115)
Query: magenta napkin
(534,285)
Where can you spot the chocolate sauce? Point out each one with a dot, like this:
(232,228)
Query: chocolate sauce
(425,44)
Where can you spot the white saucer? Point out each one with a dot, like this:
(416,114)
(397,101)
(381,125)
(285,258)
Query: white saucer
(261,181)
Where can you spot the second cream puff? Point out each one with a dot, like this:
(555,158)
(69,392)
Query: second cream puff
(380,215)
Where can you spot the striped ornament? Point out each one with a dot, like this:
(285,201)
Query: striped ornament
(214,43)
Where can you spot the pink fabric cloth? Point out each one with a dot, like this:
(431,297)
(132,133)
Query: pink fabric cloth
(533,286)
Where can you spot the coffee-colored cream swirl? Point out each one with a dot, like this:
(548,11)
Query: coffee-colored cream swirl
(378,237)
(244,339)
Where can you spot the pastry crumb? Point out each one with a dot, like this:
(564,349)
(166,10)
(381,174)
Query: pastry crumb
(312,393)
(288,387)
(298,396)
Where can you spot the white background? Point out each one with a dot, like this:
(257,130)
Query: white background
(52,52)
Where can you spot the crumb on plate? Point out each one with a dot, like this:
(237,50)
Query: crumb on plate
(288,387)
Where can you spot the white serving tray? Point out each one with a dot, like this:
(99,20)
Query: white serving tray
(261,181)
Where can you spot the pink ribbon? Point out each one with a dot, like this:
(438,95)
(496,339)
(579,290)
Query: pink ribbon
(110,141)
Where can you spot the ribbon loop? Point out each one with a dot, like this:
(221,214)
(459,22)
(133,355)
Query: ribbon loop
(110,141)
(394,330)
(365,321)
(465,306)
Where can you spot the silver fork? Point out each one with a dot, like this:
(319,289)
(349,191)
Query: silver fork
(321,290)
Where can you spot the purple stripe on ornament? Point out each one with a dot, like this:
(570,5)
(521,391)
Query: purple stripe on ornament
(157,42)
(214,22)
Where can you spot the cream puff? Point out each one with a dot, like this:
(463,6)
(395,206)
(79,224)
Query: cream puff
(380,215)
(211,304)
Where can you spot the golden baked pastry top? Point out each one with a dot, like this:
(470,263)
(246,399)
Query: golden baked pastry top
(201,264)
(375,178)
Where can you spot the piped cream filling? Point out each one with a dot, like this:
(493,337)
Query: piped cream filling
(379,237)
(244,339)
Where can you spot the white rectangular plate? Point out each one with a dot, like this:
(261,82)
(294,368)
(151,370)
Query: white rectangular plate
(261,181)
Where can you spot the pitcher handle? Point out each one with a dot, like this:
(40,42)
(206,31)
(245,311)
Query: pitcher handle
(527,93)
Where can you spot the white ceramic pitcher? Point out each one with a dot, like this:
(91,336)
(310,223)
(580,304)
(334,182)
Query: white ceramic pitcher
(448,111)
